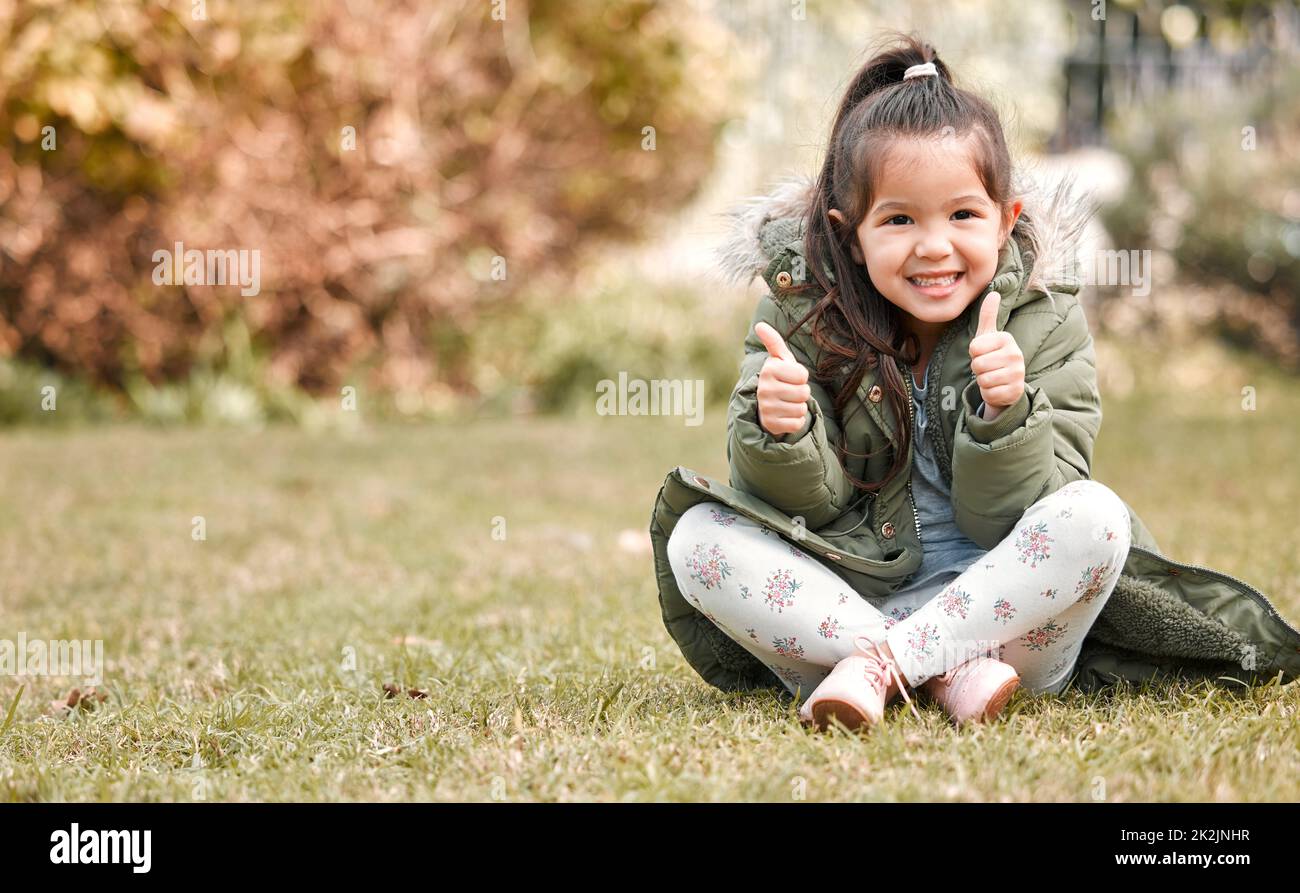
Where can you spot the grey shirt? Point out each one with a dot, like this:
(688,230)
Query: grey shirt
(946,550)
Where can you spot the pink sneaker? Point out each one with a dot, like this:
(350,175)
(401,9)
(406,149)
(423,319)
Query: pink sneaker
(857,690)
(975,691)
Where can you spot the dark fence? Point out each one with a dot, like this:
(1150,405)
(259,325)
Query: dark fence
(1125,59)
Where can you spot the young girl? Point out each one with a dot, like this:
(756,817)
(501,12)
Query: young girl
(925,412)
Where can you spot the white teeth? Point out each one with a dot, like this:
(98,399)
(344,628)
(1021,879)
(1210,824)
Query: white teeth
(947,280)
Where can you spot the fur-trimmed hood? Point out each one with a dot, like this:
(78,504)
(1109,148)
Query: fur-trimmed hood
(1052,221)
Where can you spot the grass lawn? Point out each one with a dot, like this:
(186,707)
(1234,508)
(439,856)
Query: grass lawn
(252,664)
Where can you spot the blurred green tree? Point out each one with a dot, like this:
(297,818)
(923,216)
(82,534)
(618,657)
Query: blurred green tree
(1216,184)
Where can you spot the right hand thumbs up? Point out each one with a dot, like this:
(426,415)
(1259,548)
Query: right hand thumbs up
(783,391)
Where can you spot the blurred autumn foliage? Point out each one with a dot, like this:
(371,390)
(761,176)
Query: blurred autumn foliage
(482,147)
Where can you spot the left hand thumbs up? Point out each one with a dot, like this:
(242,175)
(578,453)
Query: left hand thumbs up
(996,360)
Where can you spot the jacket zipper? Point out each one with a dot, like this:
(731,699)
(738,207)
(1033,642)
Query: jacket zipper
(911,422)
(1255,595)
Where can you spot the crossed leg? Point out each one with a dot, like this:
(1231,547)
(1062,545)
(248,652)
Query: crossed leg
(1031,600)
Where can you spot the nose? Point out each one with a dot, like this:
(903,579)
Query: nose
(934,244)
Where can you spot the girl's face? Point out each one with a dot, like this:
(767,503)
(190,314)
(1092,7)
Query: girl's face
(931,220)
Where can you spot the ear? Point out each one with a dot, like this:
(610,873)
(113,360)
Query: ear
(1009,220)
(855,247)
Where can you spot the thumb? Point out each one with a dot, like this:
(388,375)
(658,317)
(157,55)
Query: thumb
(773,341)
(989,314)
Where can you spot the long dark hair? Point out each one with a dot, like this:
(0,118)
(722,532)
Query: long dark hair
(854,325)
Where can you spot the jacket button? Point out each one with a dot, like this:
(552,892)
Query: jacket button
(887,529)
(875,393)
(1174,571)
(832,556)
(702,482)
(784,279)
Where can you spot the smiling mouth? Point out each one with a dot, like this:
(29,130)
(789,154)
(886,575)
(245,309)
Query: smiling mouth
(930,281)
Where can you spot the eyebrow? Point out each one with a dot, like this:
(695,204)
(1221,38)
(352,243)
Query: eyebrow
(957,201)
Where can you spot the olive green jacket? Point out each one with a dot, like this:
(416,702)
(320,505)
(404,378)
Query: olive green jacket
(1164,618)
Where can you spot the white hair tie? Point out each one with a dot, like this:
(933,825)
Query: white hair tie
(920,71)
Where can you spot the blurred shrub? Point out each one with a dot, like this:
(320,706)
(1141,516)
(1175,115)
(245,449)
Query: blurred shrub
(482,147)
(233,391)
(618,324)
(1224,212)
(31,394)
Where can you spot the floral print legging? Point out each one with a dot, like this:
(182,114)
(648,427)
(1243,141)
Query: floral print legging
(1029,601)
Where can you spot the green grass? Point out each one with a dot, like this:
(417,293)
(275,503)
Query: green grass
(548,671)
